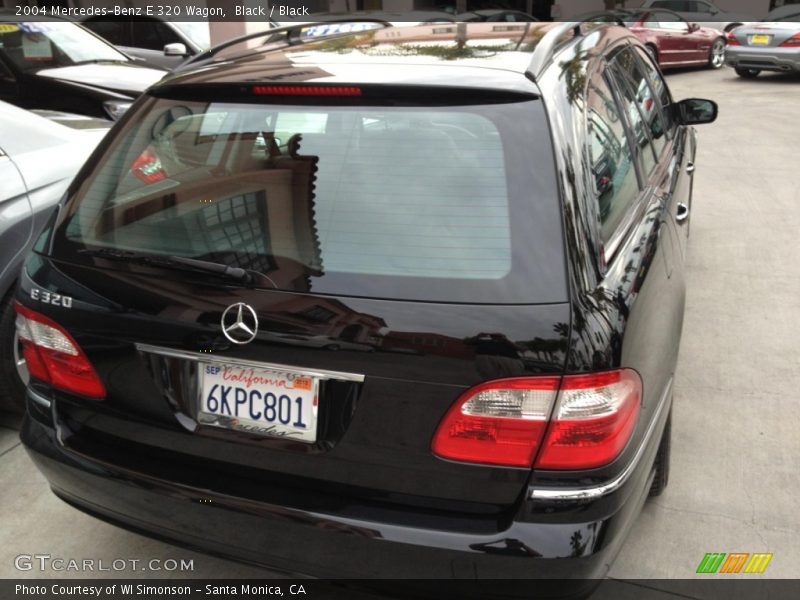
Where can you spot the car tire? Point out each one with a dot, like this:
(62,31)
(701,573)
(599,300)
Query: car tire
(747,73)
(661,464)
(716,55)
(13,377)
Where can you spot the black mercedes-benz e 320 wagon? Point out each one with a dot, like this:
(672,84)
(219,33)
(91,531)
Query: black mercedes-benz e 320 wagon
(401,302)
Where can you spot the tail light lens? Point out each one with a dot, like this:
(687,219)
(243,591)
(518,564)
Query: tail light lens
(500,422)
(593,420)
(731,40)
(508,422)
(792,42)
(147,167)
(54,357)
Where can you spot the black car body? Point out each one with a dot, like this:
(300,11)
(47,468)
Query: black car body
(506,423)
(59,65)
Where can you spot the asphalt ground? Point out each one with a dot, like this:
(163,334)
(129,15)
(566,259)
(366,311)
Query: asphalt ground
(736,448)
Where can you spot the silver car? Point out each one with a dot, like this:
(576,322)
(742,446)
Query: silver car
(39,156)
(766,46)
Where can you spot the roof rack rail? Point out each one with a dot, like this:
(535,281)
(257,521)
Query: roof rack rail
(290,32)
(548,45)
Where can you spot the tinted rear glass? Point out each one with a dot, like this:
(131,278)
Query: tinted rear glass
(428,203)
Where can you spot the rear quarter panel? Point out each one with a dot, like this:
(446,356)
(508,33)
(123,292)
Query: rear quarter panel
(630,314)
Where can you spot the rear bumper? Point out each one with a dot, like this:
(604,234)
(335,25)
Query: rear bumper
(327,545)
(765,59)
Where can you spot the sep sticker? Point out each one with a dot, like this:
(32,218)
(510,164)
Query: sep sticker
(303,383)
(8,28)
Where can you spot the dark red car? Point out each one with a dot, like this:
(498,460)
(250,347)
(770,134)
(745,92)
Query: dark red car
(674,42)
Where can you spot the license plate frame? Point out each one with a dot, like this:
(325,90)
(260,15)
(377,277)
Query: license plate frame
(229,394)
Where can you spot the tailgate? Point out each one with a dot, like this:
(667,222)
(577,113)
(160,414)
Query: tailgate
(387,370)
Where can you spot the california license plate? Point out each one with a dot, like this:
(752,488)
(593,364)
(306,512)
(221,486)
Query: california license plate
(759,40)
(259,401)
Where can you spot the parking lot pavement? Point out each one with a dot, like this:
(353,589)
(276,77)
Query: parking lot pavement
(735,453)
(735,447)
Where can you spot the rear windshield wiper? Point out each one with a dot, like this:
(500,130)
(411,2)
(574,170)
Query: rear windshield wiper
(171,262)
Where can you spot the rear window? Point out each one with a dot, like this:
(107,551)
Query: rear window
(452,204)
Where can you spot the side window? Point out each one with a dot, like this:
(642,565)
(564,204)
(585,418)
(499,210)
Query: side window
(641,105)
(152,35)
(111,31)
(659,87)
(611,159)
(670,21)
(638,126)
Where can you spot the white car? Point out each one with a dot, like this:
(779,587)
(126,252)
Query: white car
(704,13)
(39,156)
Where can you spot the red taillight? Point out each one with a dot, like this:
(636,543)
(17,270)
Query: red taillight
(306,90)
(147,167)
(593,420)
(54,357)
(508,421)
(731,40)
(792,42)
(500,422)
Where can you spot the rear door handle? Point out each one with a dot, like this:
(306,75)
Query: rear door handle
(682,213)
(690,167)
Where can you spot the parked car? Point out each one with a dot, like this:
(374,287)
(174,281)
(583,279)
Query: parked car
(158,43)
(768,46)
(496,16)
(354,187)
(38,158)
(674,42)
(60,65)
(705,14)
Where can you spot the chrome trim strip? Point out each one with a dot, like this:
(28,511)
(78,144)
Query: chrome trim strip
(595,492)
(38,398)
(206,358)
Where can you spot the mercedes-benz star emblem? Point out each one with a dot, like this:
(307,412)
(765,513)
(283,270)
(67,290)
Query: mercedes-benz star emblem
(239,323)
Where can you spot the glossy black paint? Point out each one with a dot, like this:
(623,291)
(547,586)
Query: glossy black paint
(389,419)
(261,524)
(138,459)
(627,308)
